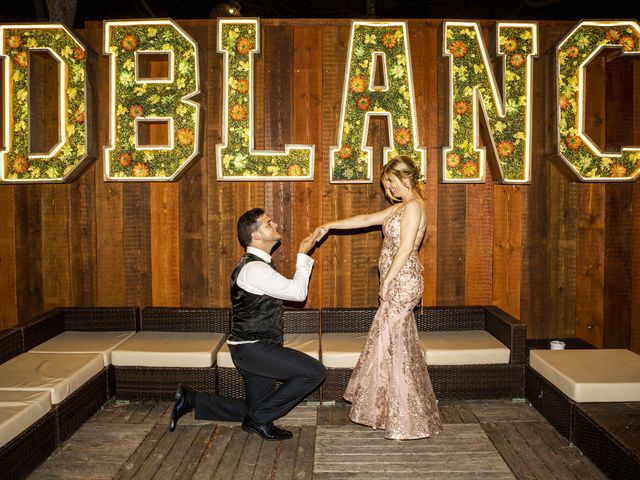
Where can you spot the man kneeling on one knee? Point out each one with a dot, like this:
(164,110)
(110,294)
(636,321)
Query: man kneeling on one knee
(255,343)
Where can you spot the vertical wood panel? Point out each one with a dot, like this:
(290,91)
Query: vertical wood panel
(590,264)
(635,251)
(28,251)
(192,193)
(56,283)
(423,38)
(136,236)
(8,285)
(278,111)
(307,129)
(635,269)
(617,267)
(165,244)
(451,216)
(591,219)
(479,244)
(110,252)
(82,239)
(507,249)
(336,275)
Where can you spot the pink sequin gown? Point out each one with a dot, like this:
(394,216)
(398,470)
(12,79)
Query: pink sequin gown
(390,387)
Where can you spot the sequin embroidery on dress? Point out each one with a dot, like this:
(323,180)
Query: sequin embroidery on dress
(390,387)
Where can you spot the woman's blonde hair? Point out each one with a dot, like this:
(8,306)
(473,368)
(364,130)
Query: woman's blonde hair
(404,168)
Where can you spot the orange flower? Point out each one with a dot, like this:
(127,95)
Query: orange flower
(402,136)
(14,41)
(294,170)
(129,42)
(573,142)
(572,51)
(20,165)
(363,103)
(389,40)
(510,45)
(453,159)
(564,102)
(78,115)
(505,148)
(184,136)
(78,54)
(458,49)
(613,35)
(469,169)
(124,159)
(140,169)
(517,59)
(460,107)
(243,46)
(21,59)
(627,43)
(238,112)
(136,111)
(357,84)
(345,152)
(618,170)
(242,86)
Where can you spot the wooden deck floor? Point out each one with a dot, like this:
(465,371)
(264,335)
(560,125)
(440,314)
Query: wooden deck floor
(482,439)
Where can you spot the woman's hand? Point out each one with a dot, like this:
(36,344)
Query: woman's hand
(321,231)
(384,288)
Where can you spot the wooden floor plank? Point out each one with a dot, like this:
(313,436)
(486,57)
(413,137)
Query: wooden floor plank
(495,439)
(303,469)
(249,457)
(177,453)
(231,456)
(187,467)
(213,453)
(287,456)
(130,468)
(265,463)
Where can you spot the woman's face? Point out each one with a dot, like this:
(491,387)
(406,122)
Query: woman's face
(395,185)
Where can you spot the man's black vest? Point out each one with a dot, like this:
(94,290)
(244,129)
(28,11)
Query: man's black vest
(254,317)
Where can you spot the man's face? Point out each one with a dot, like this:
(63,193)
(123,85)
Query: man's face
(268,229)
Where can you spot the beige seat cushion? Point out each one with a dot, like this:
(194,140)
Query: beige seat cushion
(598,375)
(19,410)
(308,343)
(342,350)
(467,347)
(60,374)
(84,342)
(168,349)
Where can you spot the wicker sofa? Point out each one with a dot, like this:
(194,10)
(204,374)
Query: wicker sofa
(601,419)
(64,403)
(163,368)
(460,381)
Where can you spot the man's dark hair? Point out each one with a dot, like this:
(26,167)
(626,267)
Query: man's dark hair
(247,224)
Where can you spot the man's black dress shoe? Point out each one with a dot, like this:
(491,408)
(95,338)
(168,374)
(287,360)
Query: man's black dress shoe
(268,431)
(181,407)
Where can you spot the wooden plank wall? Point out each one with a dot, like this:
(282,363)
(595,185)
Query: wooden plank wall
(562,256)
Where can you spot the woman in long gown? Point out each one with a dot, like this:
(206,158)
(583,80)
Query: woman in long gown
(390,387)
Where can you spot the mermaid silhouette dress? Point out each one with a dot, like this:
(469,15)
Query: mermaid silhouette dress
(390,387)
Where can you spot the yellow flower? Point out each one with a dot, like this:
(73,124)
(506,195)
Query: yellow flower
(180,83)
(18,126)
(31,43)
(66,51)
(71,92)
(181,109)
(128,64)
(21,95)
(17,76)
(369,39)
(151,32)
(120,110)
(167,46)
(155,98)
